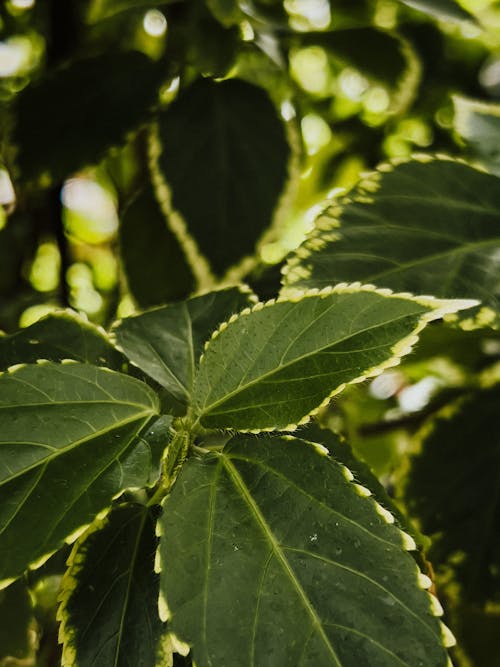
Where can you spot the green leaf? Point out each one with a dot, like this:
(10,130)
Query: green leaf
(109,93)
(452,488)
(60,336)
(69,442)
(342,452)
(427,226)
(144,233)
(446,10)
(166,343)
(17,629)
(272,366)
(109,596)
(271,555)
(479,124)
(224,154)
(383,57)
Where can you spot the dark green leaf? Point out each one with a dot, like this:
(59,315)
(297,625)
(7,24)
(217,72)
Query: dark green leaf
(224,153)
(272,556)
(479,124)
(166,343)
(144,234)
(452,489)
(69,442)
(341,451)
(427,226)
(17,631)
(447,10)
(110,592)
(109,93)
(60,336)
(272,366)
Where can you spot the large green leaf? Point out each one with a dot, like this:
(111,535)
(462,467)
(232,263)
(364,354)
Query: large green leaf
(144,233)
(479,124)
(166,343)
(224,154)
(429,226)
(271,556)
(69,442)
(109,609)
(448,10)
(17,626)
(273,365)
(59,336)
(108,94)
(452,488)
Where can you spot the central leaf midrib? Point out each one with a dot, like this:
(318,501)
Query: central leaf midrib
(278,552)
(209,408)
(76,443)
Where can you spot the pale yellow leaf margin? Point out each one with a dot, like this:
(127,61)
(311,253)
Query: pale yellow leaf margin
(439,309)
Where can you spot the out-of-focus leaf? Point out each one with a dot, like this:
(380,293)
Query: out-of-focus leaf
(452,489)
(224,154)
(70,441)
(426,226)
(68,118)
(102,9)
(384,57)
(166,343)
(271,555)
(446,10)
(58,336)
(16,626)
(479,124)
(109,596)
(154,261)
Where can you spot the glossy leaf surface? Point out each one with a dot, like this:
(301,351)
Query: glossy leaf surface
(69,442)
(166,343)
(428,227)
(110,593)
(110,93)
(271,556)
(59,336)
(226,143)
(271,367)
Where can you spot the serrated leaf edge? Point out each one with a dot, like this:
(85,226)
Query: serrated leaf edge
(422,581)
(328,220)
(69,583)
(439,308)
(77,532)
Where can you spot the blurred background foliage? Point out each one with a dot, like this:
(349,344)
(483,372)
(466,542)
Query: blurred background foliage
(82,223)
